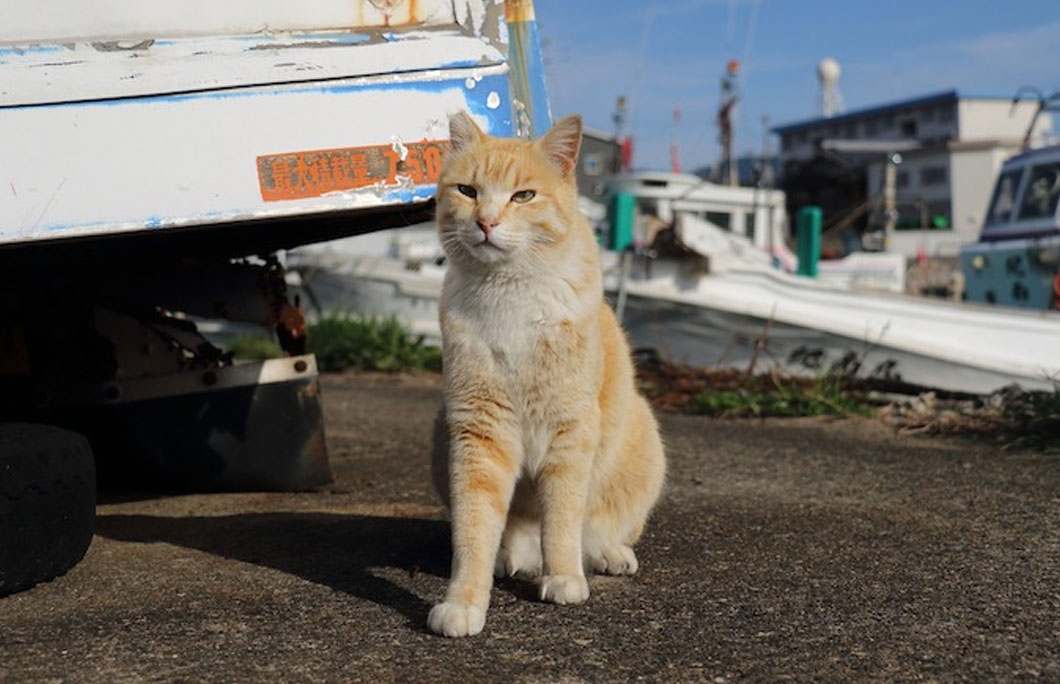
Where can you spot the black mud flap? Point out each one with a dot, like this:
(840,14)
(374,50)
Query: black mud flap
(253,426)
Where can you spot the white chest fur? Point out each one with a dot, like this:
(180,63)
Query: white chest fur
(508,317)
(516,333)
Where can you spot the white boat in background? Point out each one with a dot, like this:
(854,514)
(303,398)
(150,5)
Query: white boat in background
(737,302)
(718,299)
(757,214)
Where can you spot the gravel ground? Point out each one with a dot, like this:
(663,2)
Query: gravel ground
(803,550)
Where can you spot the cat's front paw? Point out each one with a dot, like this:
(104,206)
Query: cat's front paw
(456,619)
(564,589)
(618,559)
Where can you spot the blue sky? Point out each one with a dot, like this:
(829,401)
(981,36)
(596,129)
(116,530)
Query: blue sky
(667,53)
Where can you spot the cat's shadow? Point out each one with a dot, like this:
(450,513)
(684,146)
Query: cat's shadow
(335,550)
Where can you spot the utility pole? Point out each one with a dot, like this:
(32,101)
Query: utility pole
(619,119)
(890,208)
(675,157)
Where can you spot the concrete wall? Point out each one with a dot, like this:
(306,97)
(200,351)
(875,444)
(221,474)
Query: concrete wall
(994,119)
(973,174)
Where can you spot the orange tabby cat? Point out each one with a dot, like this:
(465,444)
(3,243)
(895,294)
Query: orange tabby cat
(550,459)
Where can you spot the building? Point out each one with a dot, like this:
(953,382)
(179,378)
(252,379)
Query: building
(748,170)
(943,183)
(599,158)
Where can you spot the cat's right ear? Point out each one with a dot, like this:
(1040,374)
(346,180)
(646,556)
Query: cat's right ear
(463,131)
(562,142)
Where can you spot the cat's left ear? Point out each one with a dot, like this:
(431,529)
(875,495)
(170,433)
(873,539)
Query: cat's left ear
(562,142)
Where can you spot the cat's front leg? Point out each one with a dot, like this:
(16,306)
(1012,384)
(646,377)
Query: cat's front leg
(562,485)
(482,473)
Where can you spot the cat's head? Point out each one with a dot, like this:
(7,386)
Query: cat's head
(502,199)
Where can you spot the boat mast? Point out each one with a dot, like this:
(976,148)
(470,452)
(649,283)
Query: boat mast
(726,173)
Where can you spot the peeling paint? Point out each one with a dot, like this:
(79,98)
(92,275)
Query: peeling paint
(493,100)
(217,63)
(121,46)
(308,44)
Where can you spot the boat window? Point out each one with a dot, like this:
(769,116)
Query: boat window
(721,219)
(1042,193)
(749,225)
(1004,198)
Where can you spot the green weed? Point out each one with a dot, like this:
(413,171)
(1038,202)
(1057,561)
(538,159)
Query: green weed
(782,397)
(251,347)
(369,343)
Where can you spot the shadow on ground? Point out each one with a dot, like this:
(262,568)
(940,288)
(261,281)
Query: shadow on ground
(337,551)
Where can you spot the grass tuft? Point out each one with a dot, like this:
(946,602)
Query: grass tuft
(369,343)
(787,397)
(251,347)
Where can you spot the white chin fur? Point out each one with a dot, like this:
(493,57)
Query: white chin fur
(487,252)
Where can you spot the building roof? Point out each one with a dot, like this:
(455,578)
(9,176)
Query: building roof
(923,100)
(598,133)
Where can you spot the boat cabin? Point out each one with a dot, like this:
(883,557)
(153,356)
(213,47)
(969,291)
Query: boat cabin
(1017,259)
(740,210)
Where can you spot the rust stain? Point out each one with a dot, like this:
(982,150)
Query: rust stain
(296,175)
(395,12)
(518,10)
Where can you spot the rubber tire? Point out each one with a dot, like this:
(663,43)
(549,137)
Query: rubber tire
(47,503)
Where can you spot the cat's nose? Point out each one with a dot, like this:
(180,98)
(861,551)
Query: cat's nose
(486,225)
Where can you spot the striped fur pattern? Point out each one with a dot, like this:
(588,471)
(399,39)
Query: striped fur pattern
(548,458)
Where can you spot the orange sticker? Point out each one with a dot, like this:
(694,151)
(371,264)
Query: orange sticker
(296,175)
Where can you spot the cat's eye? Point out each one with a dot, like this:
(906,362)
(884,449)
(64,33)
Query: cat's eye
(523,196)
(467,190)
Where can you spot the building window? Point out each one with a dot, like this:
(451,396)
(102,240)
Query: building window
(933,175)
(908,217)
(591,164)
(1043,191)
(946,113)
(888,122)
(871,127)
(909,128)
(901,179)
(721,219)
(927,114)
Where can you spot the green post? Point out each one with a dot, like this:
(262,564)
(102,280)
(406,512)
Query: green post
(622,211)
(808,240)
